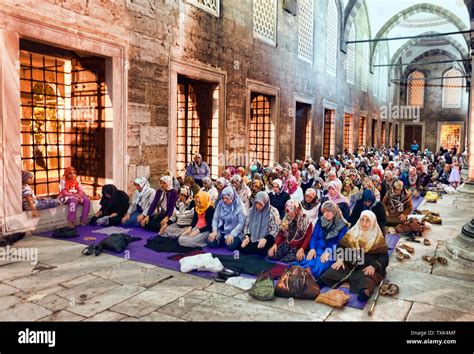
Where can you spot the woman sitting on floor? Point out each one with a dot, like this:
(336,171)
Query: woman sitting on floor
(328,231)
(114,205)
(182,216)
(256,186)
(397,203)
(228,222)
(349,191)
(242,190)
(368,202)
(193,186)
(196,234)
(310,205)
(163,204)
(294,235)
(141,201)
(295,191)
(208,186)
(365,237)
(221,183)
(278,198)
(334,195)
(262,226)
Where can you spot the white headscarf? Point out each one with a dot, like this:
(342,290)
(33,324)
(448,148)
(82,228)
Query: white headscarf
(142,182)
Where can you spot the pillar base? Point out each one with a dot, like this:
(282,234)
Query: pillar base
(467,188)
(461,248)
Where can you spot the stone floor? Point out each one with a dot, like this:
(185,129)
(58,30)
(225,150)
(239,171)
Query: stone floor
(65,286)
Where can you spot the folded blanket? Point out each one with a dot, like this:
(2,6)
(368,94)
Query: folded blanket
(200,262)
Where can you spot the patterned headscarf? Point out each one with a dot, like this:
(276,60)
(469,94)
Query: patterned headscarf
(168,181)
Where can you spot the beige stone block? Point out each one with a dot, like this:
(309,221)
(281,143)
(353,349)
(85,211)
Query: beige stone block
(106,316)
(150,135)
(139,113)
(62,316)
(425,312)
(26,311)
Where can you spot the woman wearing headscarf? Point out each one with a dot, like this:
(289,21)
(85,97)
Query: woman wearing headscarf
(228,222)
(378,186)
(141,201)
(208,186)
(328,231)
(176,184)
(256,186)
(113,206)
(412,181)
(364,272)
(242,190)
(294,235)
(386,182)
(306,181)
(318,187)
(334,195)
(349,191)
(242,173)
(310,205)
(72,194)
(397,203)
(332,177)
(262,226)
(424,178)
(197,233)
(368,202)
(182,216)
(162,206)
(198,169)
(294,190)
(295,172)
(221,183)
(278,198)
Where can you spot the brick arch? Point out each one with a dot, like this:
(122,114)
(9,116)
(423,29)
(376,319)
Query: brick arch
(430,8)
(463,52)
(425,54)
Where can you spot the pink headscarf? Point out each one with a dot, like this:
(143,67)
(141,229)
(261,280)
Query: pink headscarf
(339,198)
(292,184)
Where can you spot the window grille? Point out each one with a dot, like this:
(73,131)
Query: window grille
(452,89)
(264,20)
(262,131)
(210,6)
(332,19)
(305,30)
(416,89)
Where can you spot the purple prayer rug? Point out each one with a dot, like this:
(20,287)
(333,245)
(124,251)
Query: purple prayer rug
(417,202)
(137,251)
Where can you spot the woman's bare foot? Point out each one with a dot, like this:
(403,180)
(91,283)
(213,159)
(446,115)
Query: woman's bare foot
(71,224)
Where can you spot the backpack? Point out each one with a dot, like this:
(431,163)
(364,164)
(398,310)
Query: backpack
(65,232)
(116,243)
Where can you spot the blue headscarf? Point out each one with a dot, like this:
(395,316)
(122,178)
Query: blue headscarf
(229,214)
(368,196)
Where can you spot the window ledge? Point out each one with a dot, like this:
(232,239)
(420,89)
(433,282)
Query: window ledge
(49,219)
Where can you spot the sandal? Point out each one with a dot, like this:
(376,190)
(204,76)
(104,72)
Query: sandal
(426,242)
(393,290)
(442,260)
(409,248)
(429,259)
(384,288)
(399,254)
(404,252)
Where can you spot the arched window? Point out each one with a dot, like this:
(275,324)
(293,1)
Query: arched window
(452,89)
(351,57)
(331,38)
(416,89)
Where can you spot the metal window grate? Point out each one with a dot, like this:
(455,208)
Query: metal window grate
(210,6)
(362,130)
(262,132)
(383,134)
(416,89)
(390,134)
(305,30)
(348,132)
(329,132)
(62,117)
(450,135)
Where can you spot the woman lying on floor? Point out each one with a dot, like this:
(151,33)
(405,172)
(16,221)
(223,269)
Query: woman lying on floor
(182,216)
(228,222)
(328,231)
(294,236)
(163,203)
(196,234)
(140,203)
(362,273)
(262,226)
(114,206)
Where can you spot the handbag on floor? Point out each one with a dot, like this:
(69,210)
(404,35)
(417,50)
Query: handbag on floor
(263,288)
(334,298)
(297,283)
(411,225)
(116,243)
(65,232)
